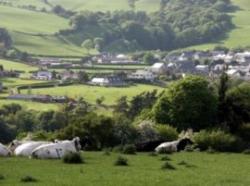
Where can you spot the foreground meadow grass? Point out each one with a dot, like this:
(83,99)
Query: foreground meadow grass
(143,170)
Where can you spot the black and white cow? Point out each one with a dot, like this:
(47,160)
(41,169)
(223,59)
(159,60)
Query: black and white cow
(174,146)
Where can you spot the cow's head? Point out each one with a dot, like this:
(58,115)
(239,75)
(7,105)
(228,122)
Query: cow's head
(183,143)
(13,145)
(77,143)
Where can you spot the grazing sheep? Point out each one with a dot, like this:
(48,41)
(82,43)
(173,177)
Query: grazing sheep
(4,151)
(174,146)
(57,150)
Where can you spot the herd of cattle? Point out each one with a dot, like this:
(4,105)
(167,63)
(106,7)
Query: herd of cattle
(57,149)
(41,149)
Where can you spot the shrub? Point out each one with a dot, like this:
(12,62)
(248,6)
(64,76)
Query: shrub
(244,132)
(165,158)
(153,154)
(28,179)
(168,166)
(129,149)
(118,148)
(121,161)
(218,140)
(2,177)
(167,132)
(106,152)
(73,158)
(247,151)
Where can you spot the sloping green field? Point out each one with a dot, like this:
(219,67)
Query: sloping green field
(240,35)
(91,93)
(106,5)
(34,32)
(10,65)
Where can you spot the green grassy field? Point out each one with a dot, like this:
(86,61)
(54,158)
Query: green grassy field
(34,32)
(11,65)
(107,5)
(239,36)
(31,105)
(11,82)
(91,93)
(202,170)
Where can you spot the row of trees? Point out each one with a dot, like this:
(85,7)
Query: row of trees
(193,102)
(177,24)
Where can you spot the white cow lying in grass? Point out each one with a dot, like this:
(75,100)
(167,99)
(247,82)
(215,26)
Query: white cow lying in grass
(4,151)
(57,150)
(27,148)
(174,146)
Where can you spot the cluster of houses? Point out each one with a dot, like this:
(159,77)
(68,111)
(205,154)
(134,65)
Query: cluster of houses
(210,63)
(108,58)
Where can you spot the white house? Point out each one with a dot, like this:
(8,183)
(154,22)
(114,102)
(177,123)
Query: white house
(107,81)
(142,75)
(43,75)
(158,68)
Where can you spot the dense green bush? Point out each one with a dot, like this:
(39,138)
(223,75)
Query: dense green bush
(187,103)
(167,132)
(218,140)
(121,161)
(129,149)
(167,166)
(73,158)
(28,179)
(244,132)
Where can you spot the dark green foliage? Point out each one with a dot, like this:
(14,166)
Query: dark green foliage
(177,24)
(5,38)
(1,177)
(28,179)
(244,132)
(166,132)
(118,148)
(121,161)
(153,154)
(129,149)
(165,158)
(247,151)
(167,166)
(238,103)
(73,158)
(218,140)
(184,163)
(188,103)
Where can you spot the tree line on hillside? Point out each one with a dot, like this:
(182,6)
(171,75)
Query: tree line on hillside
(5,39)
(176,24)
(218,111)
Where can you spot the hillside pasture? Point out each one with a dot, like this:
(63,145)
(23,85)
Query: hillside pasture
(106,5)
(46,45)
(11,65)
(91,93)
(29,105)
(194,169)
(239,36)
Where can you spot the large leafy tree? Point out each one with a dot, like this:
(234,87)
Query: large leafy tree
(188,103)
(238,102)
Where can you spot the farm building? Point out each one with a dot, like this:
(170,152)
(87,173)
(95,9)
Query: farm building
(142,75)
(108,81)
(42,75)
(158,68)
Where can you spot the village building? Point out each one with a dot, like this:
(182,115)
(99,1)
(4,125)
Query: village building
(158,68)
(109,81)
(43,75)
(142,75)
